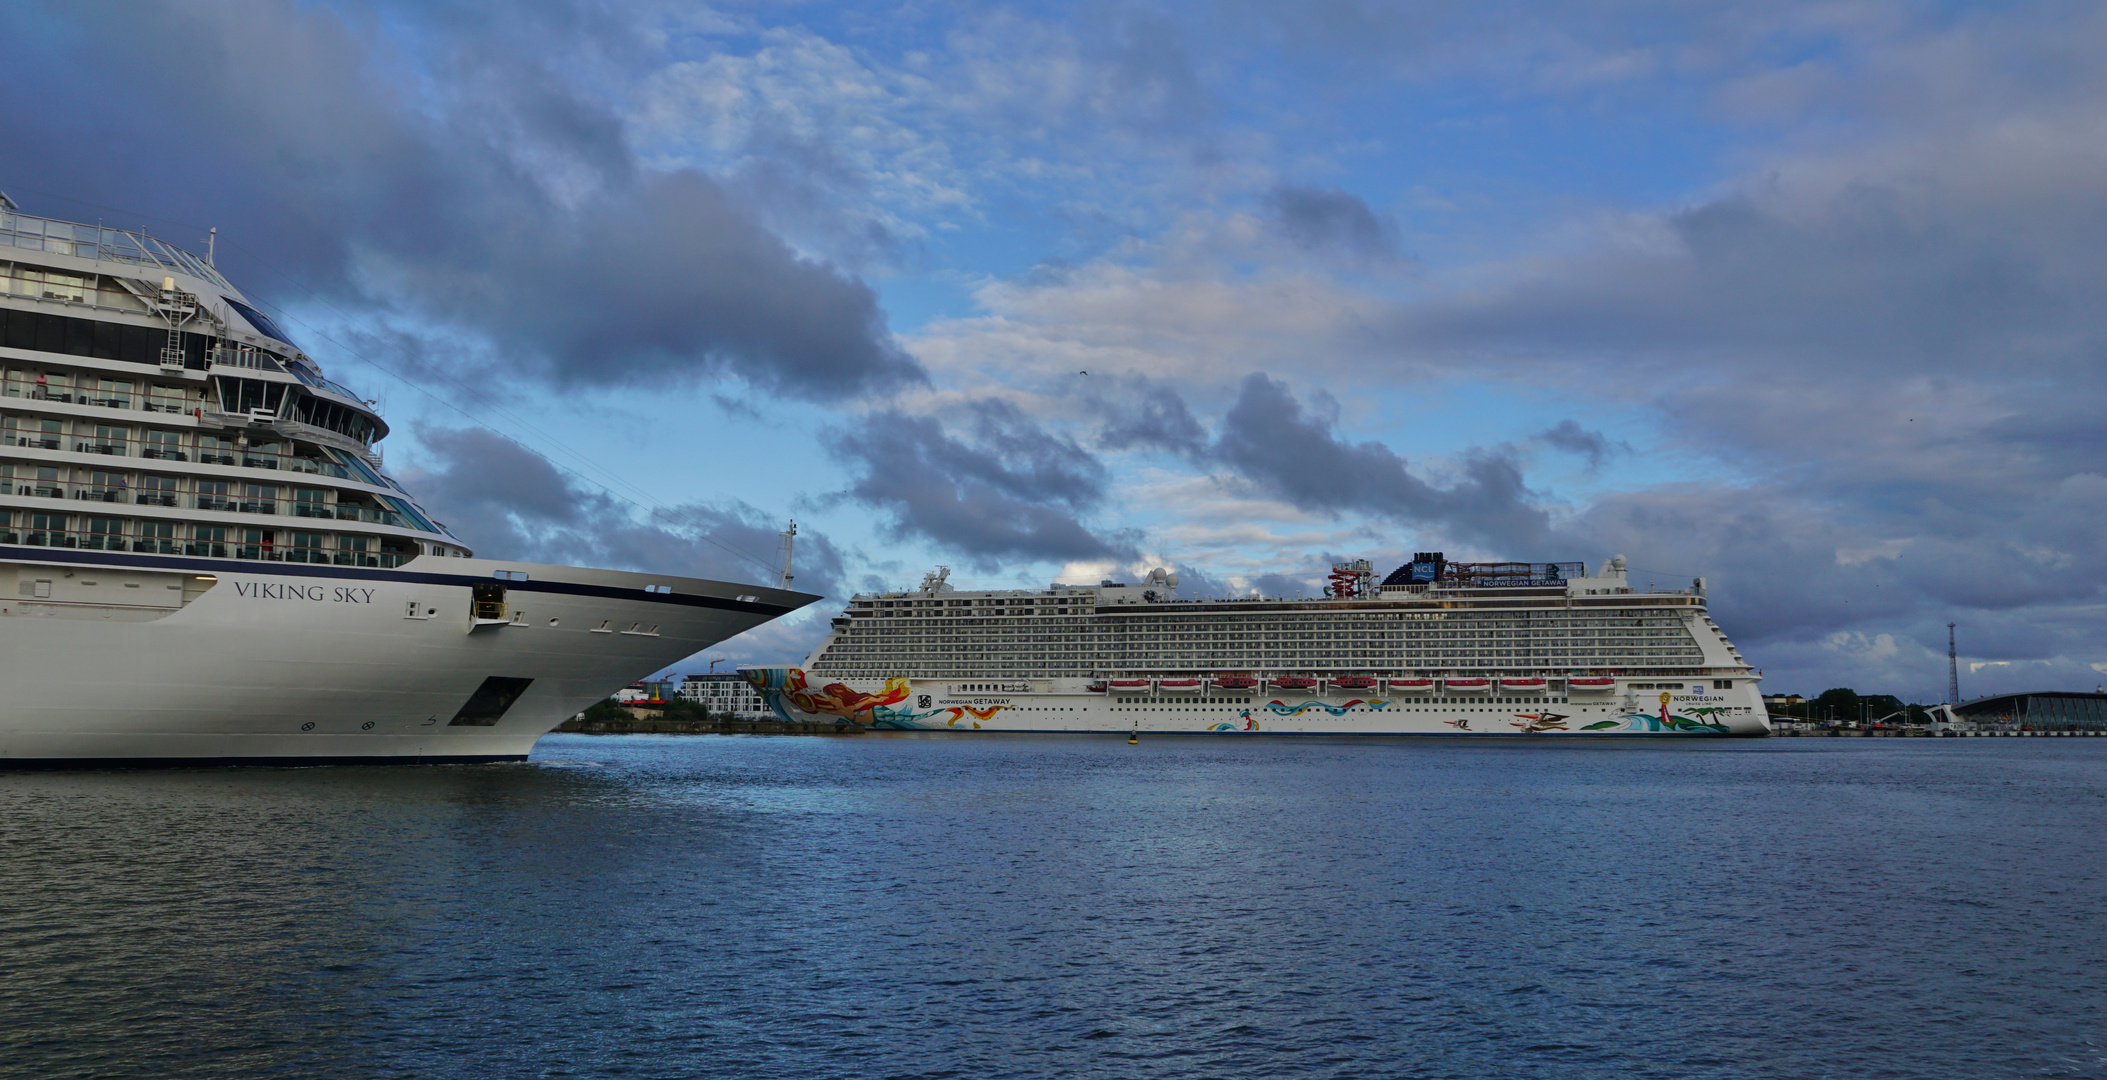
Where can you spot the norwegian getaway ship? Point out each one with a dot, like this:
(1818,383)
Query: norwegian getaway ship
(202,559)
(1437,648)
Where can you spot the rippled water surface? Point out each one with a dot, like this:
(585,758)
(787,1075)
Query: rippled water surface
(912,906)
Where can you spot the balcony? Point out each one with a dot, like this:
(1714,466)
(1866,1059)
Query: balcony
(370,515)
(47,442)
(318,468)
(113,449)
(163,453)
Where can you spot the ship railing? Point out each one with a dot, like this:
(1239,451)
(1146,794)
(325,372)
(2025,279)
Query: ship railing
(370,516)
(35,489)
(23,388)
(34,233)
(234,504)
(30,391)
(318,468)
(90,540)
(65,538)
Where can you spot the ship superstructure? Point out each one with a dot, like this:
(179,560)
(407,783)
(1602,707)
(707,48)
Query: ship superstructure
(202,556)
(1437,647)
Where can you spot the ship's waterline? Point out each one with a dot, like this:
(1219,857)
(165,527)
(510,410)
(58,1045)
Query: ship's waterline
(1437,648)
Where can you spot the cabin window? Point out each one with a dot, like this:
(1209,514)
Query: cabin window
(208,540)
(158,537)
(305,547)
(105,534)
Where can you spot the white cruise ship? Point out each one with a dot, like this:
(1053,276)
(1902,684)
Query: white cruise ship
(1436,648)
(202,558)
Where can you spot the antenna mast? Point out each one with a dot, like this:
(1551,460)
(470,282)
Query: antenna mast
(1953,669)
(789,538)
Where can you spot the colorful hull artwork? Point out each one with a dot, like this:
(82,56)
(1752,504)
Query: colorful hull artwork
(1070,705)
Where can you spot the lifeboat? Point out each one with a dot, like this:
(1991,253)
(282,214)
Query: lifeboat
(1182,685)
(1468,686)
(1237,682)
(1097,687)
(1531,685)
(1354,682)
(1591,682)
(1411,685)
(1295,682)
(1130,684)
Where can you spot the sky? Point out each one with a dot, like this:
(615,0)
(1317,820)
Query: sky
(1800,298)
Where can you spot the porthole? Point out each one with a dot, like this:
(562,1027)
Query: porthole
(367,726)
(309,726)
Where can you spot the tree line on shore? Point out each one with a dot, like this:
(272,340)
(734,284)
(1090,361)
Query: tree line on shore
(1843,704)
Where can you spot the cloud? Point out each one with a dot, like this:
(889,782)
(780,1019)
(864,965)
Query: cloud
(1570,437)
(1293,454)
(1330,220)
(1004,487)
(508,502)
(449,167)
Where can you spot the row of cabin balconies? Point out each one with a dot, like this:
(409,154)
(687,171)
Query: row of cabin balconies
(201,541)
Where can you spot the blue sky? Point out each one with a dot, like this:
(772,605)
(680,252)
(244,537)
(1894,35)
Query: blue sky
(1800,297)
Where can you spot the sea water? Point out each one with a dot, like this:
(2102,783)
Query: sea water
(1013,906)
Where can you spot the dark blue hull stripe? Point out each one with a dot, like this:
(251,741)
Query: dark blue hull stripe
(361,573)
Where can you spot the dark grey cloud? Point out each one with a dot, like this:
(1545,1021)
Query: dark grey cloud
(1002,487)
(1285,450)
(1294,454)
(1569,436)
(508,502)
(440,162)
(1150,418)
(1332,221)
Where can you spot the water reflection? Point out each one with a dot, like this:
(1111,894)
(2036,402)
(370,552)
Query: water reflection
(1023,906)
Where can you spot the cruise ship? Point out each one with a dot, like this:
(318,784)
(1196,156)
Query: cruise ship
(203,558)
(1434,648)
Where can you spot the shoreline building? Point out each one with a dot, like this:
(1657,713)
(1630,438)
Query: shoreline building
(2038,710)
(725,693)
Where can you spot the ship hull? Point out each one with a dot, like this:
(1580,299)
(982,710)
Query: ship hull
(1694,709)
(289,664)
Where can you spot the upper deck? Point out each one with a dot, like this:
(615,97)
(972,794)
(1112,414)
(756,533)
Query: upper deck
(1584,623)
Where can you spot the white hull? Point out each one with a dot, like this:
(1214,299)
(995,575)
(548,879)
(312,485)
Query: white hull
(1058,705)
(291,663)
